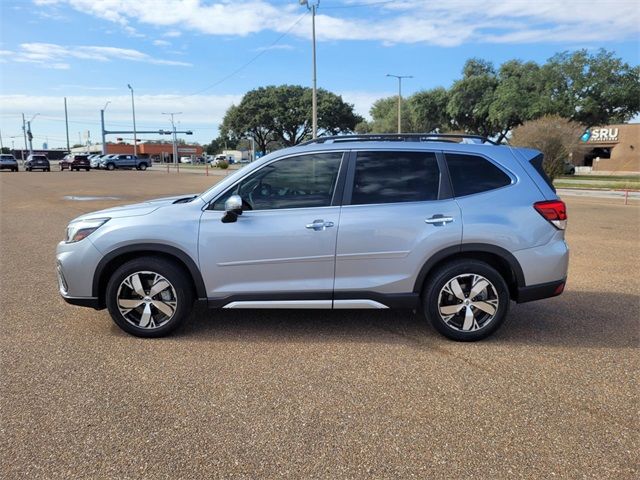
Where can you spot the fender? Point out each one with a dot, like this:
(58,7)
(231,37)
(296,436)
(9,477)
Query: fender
(193,269)
(470,247)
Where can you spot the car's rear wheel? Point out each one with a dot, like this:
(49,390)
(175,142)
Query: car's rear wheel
(149,297)
(142,166)
(47,169)
(466,300)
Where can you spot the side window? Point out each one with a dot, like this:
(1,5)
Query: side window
(298,182)
(473,174)
(392,177)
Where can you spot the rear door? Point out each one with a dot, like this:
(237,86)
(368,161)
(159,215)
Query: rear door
(397,212)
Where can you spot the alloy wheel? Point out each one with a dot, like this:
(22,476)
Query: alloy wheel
(468,302)
(147,300)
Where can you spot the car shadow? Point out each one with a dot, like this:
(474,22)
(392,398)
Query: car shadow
(575,319)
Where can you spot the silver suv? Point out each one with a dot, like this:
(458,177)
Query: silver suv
(456,227)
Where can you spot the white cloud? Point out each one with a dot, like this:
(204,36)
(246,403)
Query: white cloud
(448,23)
(50,55)
(161,43)
(275,47)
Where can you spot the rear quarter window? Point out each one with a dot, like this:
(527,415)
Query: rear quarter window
(474,174)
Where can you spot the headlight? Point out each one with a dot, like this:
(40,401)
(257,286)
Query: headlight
(76,231)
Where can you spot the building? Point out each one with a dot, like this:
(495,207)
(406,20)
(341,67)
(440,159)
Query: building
(158,152)
(610,149)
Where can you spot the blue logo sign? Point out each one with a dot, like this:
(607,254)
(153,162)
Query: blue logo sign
(586,136)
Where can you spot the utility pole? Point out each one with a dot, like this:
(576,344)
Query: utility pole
(1,145)
(399,77)
(24,133)
(135,137)
(104,143)
(66,123)
(314,95)
(173,129)
(253,148)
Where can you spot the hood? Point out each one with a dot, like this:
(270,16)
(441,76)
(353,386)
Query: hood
(137,209)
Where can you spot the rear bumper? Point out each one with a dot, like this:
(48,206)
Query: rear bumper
(540,291)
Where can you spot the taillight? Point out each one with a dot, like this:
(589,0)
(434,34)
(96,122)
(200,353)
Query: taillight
(555,211)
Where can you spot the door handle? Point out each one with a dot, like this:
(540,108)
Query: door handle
(438,220)
(319,225)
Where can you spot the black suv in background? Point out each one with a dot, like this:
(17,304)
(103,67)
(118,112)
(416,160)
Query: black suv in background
(75,162)
(37,162)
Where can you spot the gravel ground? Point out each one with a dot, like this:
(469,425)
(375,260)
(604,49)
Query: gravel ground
(312,394)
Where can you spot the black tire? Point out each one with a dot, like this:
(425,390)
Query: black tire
(455,327)
(87,169)
(142,166)
(47,169)
(179,281)
(111,166)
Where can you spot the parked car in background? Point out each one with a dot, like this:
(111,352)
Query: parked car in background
(121,161)
(218,159)
(37,162)
(569,168)
(185,159)
(345,222)
(94,161)
(8,162)
(104,158)
(73,162)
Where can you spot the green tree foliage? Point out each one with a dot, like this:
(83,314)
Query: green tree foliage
(471,97)
(591,89)
(429,110)
(6,150)
(282,115)
(554,136)
(384,113)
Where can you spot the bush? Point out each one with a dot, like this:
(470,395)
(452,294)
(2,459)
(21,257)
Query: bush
(554,136)
(223,165)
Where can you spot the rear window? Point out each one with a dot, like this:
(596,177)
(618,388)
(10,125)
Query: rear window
(474,174)
(393,177)
(537,163)
(39,157)
(7,157)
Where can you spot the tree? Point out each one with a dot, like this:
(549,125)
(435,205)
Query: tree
(517,97)
(470,98)
(554,136)
(282,115)
(6,150)
(429,110)
(384,113)
(591,89)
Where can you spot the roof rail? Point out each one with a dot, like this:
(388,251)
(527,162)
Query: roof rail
(403,137)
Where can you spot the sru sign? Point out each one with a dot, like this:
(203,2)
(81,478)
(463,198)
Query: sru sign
(600,135)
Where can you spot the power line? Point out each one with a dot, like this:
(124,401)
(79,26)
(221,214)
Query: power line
(253,59)
(357,5)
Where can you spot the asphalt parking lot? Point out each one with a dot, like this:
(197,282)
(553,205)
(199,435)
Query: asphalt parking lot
(241,394)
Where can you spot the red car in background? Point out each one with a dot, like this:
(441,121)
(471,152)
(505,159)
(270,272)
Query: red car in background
(75,162)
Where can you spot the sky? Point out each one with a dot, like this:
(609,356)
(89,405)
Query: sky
(198,57)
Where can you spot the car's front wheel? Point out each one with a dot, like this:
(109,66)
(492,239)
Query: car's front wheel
(466,300)
(149,297)
(142,166)
(110,166)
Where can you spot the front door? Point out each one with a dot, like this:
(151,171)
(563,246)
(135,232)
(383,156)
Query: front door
(281,251)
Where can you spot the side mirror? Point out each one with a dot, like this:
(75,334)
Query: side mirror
(232,208)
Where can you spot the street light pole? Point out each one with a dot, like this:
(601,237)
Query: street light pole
(29,134)
(24,133)
(66,123)
(135,137)
(173,129)
(399,77)
(314,93)
(253,148)
(104,143)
